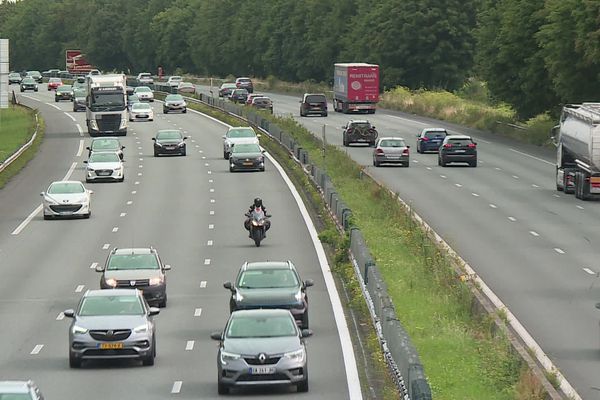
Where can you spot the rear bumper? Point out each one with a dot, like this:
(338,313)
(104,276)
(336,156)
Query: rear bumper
(392,159)
(450,158)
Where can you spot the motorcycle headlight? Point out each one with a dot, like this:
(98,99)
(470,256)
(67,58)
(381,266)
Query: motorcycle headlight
(297,355)
(255,223)
(112,282)
(78,330)
(141,328)
(228,357)
(93,124)
(156,281)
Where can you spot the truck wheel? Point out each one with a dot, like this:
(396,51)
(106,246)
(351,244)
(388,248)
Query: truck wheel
(567,189)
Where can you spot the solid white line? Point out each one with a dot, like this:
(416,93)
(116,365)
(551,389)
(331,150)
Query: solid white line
(79,129)
(493,206)
(197,312)
(530,156)
(79,288)
(207,261)
(122,214)
(37,349)
(589,271)
(70,116)
(559,251)
(27,220)
(209,243)
(534,233)
(70,171)
(105,246)
(211,226)
(176,387)
(475,194)
(115,229)
(513,219)
(581,208)
(203,284)
(80,150)
(53,105)
(189,345)
(60,316)
(93,265)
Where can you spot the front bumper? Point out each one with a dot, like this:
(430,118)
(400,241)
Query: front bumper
(58,97)
(85,347)
(141,117)
(392,159)
(104,175)
(169,149)
(174,107)
(29,87)
(283,372)
(246,164)
(66,210)
(146,98)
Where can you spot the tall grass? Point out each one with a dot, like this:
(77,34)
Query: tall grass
(16,127)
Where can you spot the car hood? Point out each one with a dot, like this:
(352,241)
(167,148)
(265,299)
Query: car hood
(175,101)
(268,297)
(268,345)
(250,140)
(111,321)
(68,197)
(104,165)
(170,141)
(132,274)
(246,155)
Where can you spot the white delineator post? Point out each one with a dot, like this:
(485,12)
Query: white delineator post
(3,73)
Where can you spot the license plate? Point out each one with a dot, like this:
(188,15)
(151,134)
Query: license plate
(103,173)
(393,157)
(170,147)
(247,163)
(262,370)
(111,346)
(459,151)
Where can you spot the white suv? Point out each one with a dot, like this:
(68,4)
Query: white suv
(145,78)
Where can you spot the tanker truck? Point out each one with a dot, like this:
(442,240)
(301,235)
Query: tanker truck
(577,139)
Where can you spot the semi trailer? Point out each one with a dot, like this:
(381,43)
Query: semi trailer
(355,87)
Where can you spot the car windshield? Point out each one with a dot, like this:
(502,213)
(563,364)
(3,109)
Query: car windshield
(66,188)
(141,107)
(240,91)
(392,143)
(142,89)
(28,80)
(174,97)
(460,142)
(112,100)
(64,88)
(105,144)
(244,80)
(132,261)
(14,74)
(111,305)
(54,80)
(228,86)
(360,125)
(168,135)
(433,134)
(104,157)
(316,98)
(268,278)
(251,326)
(246,148)
(15,396)
(78,92)
(241,133)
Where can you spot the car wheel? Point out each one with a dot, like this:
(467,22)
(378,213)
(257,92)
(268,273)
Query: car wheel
(22,90)
(47,217)
(149,360)
(163,303)
(165,111)
(324,114)
(35,90)
(74,362)
(305,320)
(473,164)
(155,153)
(185,110)
(442,162)
(151,119)
(130,119)
(302,387)
(344,141)
(87,216)
(406,165)
(55,100)
(376,163)
(372,144)
(231,169)
(439,161)
(183,152)
(225,155)
(301,113)
(87,180)
(222,388)
(122,179)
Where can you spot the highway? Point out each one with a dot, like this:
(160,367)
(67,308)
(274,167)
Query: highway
(191,209)
(535,247)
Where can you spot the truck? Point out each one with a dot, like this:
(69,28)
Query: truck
(577,139)
(106,105)
(355,87)
(76,63)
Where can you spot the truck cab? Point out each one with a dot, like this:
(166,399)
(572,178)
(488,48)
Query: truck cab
(106,105)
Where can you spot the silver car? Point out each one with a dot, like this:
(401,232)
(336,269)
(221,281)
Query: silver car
(104,166)
(174,102)
(20,390)
(66,199)
(112,323)
(261,347)
(238,135)
(141,112)
(391,150)
(106,144)
(144,93)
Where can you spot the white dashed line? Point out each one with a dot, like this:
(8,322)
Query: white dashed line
(37,349)
(211,226)
(140,153)
(189,345)
(209,243)
(416,161)
(206,164)
(516,177)
(534,233)
(139,174)
(79,129)
(140,166)
(93,265)
(70,116)
(513,219)
(211,190)
(212,212)
(141,159)
(115,229)
(498,169)
(581,208)
(429,168)
(129,202)
(209,172)
(176,387)
(197,312)
(589,271)
(122,214)
(555,195)
(493,206)
(79,288)
(139,147)
(201,151)
(106,246)
(60,316)
(197,145)
(474,195)
(27,220)
(203,284)
(210,181)
(533,185)
(443,176)
(207,261)
(203,157)
(458,185)
(80,149)
(559,251)
(136,182)
(133,191)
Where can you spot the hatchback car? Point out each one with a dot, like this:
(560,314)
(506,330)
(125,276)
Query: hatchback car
(313,103)
(263,103)
(138,268)
(238,95)
(270,284)
(169,141)
(141,112)
(261,347)
(14,77)
(391,150)
(430,139)
(246,156)
(104,166)
(28,83)
(359,131)
(63,92)
(67,199)
(106,144)
(245,83)
(174,80)
(238,135)
(144,93)
(53,83)
(226,89)
(458,148)
(79,102)
(174,102)
(20,390)
(112,324)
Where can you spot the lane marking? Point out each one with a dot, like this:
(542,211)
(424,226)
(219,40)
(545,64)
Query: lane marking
(415,161)
(115,229)
(140,153)
(80,150)
(60,316)
(27,220)
(137,183)
(197,312)
(106,246)
(581,208)
(93,265)
(211,226)
(203,284)
(122,214)
(139,174)
(209,243)
(210,181)
(559,251)
(176,387)
(201,151)
(79,288)
(458,185)
(140,166)
(209,172)
(79,129)
(516,177)
(212,212)
(53,105)
(513,219)
(141,159)
(70,171)
(189,345)
(133,191)
(533,185)
(443,176)
(37,349)
(555,195)
(493,206)
(589,271)
(211,190)
(206,164)
(70,116)
(474,194)
(207,261)
(429,168)
(203,157)
(212,200)
(498,169)
(534,157)
(129,202)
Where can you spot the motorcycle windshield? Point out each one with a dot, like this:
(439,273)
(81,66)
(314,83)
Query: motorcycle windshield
(258,215)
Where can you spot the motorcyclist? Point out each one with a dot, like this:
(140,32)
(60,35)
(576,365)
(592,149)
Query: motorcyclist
(258,205)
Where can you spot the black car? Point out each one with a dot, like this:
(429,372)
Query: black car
(359,131)
(226,89)
(63,92)
(28,83)
(169,141)
(313,103)
(239,96)
(244,83)
(246,156)
(138,268)
(430,139)
(270,284)
(458,148)
(79,99)
(14,77)
(36,75)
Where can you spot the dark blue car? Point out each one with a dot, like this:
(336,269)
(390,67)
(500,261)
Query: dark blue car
(430,139)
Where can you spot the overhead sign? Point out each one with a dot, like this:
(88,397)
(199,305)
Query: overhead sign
(76,62)
(4,73)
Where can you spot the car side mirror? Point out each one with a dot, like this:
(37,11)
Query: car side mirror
(258,135)
(224,137)
(306,333)
(85,162)
(153,311)
(88,148)
(216,336)
(373,126)
(154,139)
(263,151)
(228,285)
(42,193)
(418,135)
(167,267)
(99,268)
(122,147)
(308,283)
(185,137)
(70,313)
(598,306)
(408,147)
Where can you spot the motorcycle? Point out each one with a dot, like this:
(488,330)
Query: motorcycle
(259,223)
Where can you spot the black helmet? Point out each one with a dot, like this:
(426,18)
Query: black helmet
(257,202)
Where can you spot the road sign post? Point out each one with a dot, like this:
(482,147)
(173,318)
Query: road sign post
(4,73)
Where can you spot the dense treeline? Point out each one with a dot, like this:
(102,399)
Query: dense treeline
(534,54)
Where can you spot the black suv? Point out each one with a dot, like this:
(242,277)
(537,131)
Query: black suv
(458,148)
(270,284)
(313,103)
(359,131)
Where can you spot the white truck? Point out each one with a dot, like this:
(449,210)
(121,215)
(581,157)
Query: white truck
(577,139)
(106,105)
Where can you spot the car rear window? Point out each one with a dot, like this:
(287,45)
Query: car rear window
(132,261)
(316,98)
(392,143)
(253,326)
(111,305)
(433,135)
(460,142)
(244,80)
(241,133)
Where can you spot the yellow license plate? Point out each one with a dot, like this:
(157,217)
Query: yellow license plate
(111,346)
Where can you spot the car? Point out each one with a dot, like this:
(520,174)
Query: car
(106,144)
(144,78)
(139,268)
(169,141)
(186,87)
(65,75)
(226,89)
(238,135)
(261,347)
(94,72)
(63,92)
(79,99)
(246,156)
(144,93)
(28,83)
(104,166)
(391,150)
(14,77)
(359,131)
(238,95)
(67,199)
(20,390)
(79,83)
(174,102)
(174,80)
(141,112)
(313,103)
(251,96)
(131,100)
(244,83)
(53,83)
(51,73)
(112,324)
(270,284)
(36,75)
(263,103)
(430,139)
(458,148)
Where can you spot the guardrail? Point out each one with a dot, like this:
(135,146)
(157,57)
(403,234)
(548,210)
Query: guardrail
(4,164)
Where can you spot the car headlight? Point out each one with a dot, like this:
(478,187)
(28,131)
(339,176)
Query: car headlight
(49,200)
(156,281)
(261,159)
(181,144)
(118,168)
(255,223)
(93,124)
(123,123)
(112,282)
(297,355)
(298,296)
(238,297)
(141,328)
(158,144)
(228,357)
(78,330)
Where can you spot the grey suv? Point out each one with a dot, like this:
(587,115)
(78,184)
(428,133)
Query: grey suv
(359,131)
(313,103)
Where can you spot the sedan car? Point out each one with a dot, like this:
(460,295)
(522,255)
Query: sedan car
(63,92)
(263,103)
(239,96)
(103,166)
(141,112)
(112,324)
(391,150)
(270,284)
(252,96)
(66,199)
(144,93)
(14,77)
(174,81)
(430,139)
(174,102)
(53,83)
(28,83)
(261,347)
(139,268)
(458,148)
(226,89)
(246,156)
(106,144)
(79,97)
(20,390)
(186,87)
(238,135)
(169,141)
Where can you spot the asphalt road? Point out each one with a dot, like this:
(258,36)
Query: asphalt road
(191,209)
(535,247)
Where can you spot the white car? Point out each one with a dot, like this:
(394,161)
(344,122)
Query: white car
(186,87)
(144,93)
(145,78)
(174,80)
(104,166)
(66,199)
(238,135)
(141,112)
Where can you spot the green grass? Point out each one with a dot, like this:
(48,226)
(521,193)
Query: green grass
(16,127)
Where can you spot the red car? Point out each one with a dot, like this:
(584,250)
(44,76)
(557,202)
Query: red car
(53,83)
(252,96)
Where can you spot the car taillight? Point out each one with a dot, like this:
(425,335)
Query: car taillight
(447,145)
(349,130)
(471,145)
(379,151)
(405,152)
(425,139)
